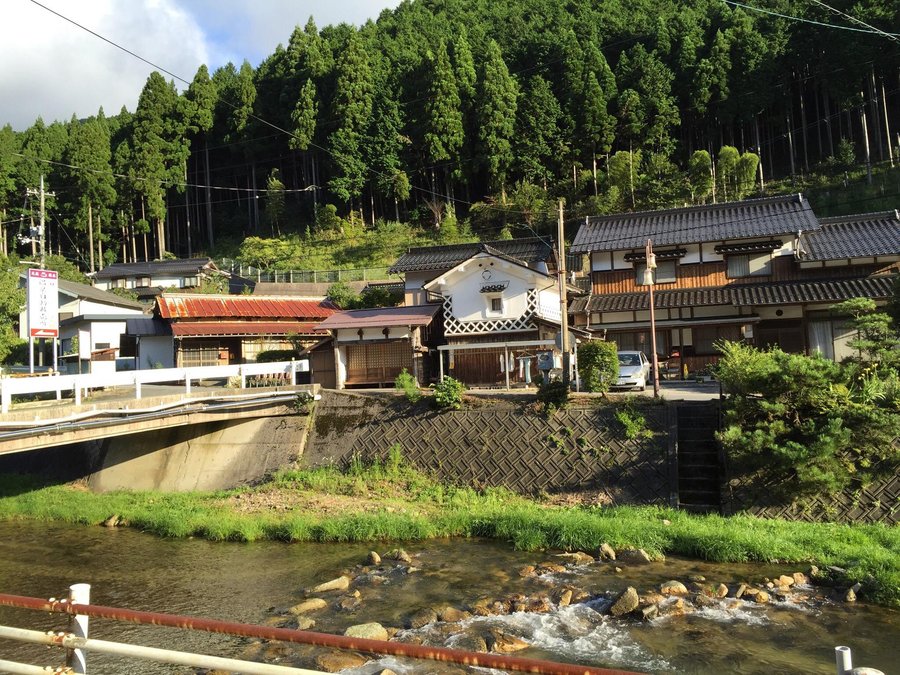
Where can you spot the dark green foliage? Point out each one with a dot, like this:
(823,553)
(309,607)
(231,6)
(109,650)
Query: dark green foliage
(805,420)
(448,393)
(598,365)
(634,424)
(276,355)
(553,396)
(342,295)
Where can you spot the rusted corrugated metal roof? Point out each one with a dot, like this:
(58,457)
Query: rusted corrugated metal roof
(243,328)
(241,306)
(418,315)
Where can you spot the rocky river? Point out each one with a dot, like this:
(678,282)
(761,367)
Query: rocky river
(672,616)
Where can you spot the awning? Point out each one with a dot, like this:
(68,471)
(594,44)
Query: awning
(244,329)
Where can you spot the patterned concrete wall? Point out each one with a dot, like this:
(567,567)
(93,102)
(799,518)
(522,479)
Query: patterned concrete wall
(501,443)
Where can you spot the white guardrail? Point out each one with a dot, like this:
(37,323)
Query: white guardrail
(13,386)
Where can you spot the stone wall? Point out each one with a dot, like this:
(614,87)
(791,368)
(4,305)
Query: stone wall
(501,442)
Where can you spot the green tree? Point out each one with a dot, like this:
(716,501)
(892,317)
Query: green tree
(443,117)
(496,117)
(598,365)
(274,202)
(201,97)
(12,300)
(700,176)
(539,143)
(352,109)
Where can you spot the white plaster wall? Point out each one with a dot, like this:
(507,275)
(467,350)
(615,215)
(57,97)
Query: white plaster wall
(548,302)
(787,312)
(340,366)
(716,310)
(601,261)
(692,255)
(470,304)
(709,253)
(619,261)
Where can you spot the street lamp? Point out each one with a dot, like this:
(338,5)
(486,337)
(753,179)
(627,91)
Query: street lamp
(648,282)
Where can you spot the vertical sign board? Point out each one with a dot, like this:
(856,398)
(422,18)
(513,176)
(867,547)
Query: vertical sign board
(43,304)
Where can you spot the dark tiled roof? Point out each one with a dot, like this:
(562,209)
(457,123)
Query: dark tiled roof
(147,327)
(180,267)
(836,290)
(424,258)
(860,236)
(749,219)
(95,294)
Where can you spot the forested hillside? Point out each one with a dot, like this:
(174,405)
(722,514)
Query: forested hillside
(461,117)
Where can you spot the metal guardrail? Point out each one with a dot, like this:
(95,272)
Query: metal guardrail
(77,641)
(78,384)
(304,276)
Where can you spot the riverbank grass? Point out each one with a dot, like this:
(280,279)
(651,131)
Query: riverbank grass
(391,501)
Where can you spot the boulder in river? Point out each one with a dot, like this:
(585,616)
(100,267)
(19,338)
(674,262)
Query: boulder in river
(369,631)
(309,606)
(633,556)
(578,557)
(503,643)
(673,588)
(627,601)
(452,615)
(421,618)
(399,554)
(335,662)
(606,552)
(373,558)
(342,583)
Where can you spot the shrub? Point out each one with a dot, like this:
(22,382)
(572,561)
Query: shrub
(448,393)
(406,383)
(553,396)
(343,296)
(275,355)
(634,424)
(598,365)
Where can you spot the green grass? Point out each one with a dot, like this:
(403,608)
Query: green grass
(403,504)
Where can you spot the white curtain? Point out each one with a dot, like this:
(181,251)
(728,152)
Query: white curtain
(820,339)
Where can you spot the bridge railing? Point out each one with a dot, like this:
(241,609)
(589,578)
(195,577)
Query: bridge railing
(79,384)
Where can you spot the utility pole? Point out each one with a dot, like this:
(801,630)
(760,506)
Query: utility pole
(649,281)
(41,194)
(563,304)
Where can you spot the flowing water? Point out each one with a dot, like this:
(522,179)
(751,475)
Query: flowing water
(256,583)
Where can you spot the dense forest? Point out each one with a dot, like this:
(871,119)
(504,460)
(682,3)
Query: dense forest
(462,117)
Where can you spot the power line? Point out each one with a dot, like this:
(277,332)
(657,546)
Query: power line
(891,36)
(870,29)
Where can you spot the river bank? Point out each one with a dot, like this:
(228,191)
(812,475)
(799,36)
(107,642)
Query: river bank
(394,502)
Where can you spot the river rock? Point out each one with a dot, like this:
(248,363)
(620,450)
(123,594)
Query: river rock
(310,605)
(564,598)
(369,631)
(373,558)
(526,571)
(648,613)
(385,671)
(452,615)
(849,595)
(606,552)
(539,605)
(342,583)
(626,602)
(421,618)
(470,642)
(578,557)
(800,579)
(349,603)
(503,643)
(112,521)
(757,595)
(721,591)
(739,591)
(399,554)
(782,594)
(785,580)
(550,567)
(335,662)
(698,578)
(674,606)
(305,623)
(703,600)
(652,598)
(633,556)
(673,588)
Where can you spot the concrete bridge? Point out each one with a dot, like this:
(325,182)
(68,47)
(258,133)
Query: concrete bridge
(177,430)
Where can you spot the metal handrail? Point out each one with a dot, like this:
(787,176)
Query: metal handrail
(369,646)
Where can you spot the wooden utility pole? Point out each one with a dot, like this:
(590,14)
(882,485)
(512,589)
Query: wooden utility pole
(563,304)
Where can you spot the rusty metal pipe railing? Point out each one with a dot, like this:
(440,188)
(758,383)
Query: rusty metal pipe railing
(380,647)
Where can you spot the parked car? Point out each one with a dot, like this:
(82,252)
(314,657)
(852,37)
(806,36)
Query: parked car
(634,370)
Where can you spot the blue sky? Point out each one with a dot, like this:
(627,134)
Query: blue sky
(54,69)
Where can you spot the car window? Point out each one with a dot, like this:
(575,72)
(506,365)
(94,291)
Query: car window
(629,360)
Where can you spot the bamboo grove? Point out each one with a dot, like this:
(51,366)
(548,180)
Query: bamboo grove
(473,109)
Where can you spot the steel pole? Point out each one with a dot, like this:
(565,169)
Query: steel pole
(79,594)
(653,327)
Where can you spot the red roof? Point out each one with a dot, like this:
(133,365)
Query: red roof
(240,306)
(419,315)
(240,328)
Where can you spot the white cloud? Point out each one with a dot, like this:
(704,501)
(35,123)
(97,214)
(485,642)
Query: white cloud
(51,68)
